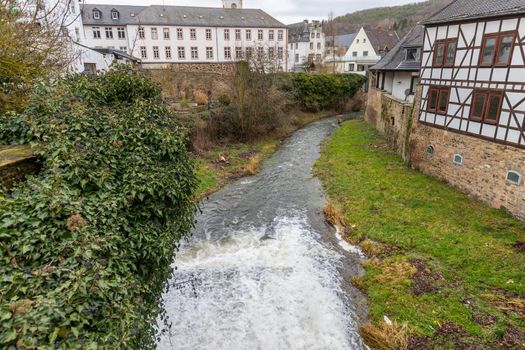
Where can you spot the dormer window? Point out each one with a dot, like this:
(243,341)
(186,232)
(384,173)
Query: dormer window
(96,14)
(412,54)
(114,15)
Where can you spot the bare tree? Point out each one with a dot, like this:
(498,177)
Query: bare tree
(34,43)
(331,32)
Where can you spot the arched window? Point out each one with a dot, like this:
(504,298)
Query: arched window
(234,6)
(97,14)
(114,14)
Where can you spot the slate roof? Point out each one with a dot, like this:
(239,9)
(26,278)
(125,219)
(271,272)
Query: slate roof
(395,59)
(181,15)
(381,40)
(460,10)
(344,40)
(298,32)
(125,12)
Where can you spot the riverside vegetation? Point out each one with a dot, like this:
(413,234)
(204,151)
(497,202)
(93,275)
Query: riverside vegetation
(445,268)
(86,245)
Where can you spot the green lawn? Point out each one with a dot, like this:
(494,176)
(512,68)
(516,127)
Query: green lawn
(471,281)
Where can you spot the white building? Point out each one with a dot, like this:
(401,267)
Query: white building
(398,71)
(160,35)
(306,45)
(366,49)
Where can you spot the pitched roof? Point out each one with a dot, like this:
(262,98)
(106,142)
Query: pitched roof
(125,14)
(344,40)
(395,59)
(182,15)
(298,32)
(381,40)
(460,10)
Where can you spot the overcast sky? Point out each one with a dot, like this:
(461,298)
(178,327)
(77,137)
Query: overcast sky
(287,11)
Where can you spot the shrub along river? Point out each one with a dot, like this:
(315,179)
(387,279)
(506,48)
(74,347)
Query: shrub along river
(263,270)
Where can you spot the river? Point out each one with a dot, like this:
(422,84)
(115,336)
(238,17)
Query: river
(263,270)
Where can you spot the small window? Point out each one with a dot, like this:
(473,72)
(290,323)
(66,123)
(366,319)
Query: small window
(143,52)
(438,100)
(445,53)
(167,51)
(351,67)
(365,53)
(413,84)
(412,54)
(248,34)
(497,49)
(458,159)
(227,53)
(260,34)
(156,54)
(154,34)
(166,33)
(364,40)
(181,53)
(430,150)
(193,34)
(114,15)
(194,53)
(226,34)
(514,178)
(486,106)
(180,35)
(354,54)
(209,53)
(141,33)
(121,32)
(96,14)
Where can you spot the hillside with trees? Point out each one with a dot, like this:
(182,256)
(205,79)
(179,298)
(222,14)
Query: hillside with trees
(399,18)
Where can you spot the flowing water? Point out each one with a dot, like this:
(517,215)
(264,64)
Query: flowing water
(263,270)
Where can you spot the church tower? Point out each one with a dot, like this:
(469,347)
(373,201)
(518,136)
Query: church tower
(232,4)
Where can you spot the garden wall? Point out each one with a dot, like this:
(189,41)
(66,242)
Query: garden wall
(15,163)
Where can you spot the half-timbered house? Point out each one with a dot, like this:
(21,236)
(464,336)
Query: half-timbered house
(470,129)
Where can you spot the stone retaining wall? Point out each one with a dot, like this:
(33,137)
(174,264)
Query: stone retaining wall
(15,163)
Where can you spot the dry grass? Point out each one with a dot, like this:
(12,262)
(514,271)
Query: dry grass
(386,336)
(200,97)
(359,283)
(370,248)
(254,165)
(334,216)
(393,271)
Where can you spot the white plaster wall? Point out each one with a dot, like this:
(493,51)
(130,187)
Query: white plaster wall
(400,84)
(86,55)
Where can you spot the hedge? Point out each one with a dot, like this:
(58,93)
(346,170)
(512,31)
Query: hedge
(316,92)
(86,245)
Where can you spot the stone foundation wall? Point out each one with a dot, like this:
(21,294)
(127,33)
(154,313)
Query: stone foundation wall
(177,82)
(220,68)
(15,163)
(391,117)
(484,170)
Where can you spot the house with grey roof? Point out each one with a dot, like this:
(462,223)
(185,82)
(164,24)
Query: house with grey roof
(367,48)
(397,73)
(336,48)
(161,35)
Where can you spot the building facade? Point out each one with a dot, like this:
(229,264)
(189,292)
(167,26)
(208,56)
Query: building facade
(162,35)
(306,45)
(397,73)
(470,127)
(367,48)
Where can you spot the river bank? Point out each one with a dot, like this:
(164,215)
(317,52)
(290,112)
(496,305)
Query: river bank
(446,269)
(226,163)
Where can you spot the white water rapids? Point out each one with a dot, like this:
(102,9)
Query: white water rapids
(262,273)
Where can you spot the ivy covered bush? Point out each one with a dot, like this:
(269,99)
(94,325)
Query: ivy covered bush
(86,245)
(316,92)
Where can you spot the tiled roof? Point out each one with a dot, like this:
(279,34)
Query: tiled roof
(460,10)
(395,59)
(382,41)
(181,15)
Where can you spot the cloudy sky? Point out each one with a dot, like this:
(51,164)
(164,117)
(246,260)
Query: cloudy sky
(287,11)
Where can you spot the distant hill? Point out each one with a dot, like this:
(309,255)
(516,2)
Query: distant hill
(400,18)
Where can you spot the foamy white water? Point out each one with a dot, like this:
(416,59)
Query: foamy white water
(279,293)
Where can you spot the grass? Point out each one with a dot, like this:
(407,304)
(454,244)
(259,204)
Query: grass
(222,164)
(446,265)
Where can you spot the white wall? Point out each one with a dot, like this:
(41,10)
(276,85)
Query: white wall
(85,55)
(400,84)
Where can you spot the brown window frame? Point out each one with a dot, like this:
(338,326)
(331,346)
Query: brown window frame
(445,42)
(499,38)
(440,91)
(486,105)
